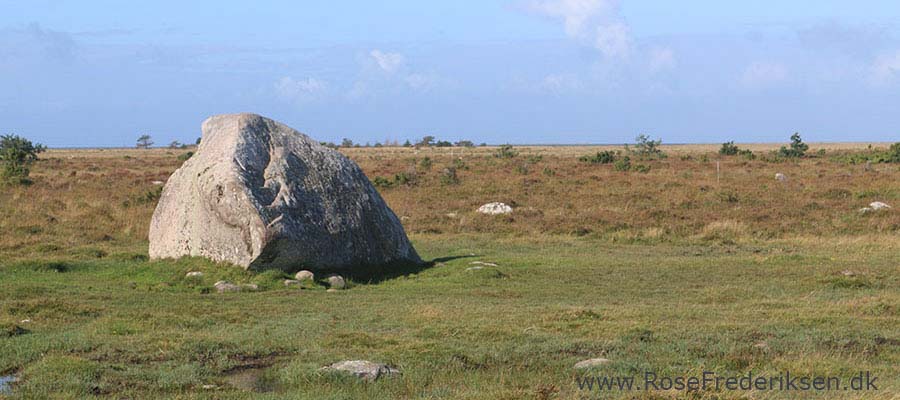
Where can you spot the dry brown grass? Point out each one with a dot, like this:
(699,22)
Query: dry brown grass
(93,197)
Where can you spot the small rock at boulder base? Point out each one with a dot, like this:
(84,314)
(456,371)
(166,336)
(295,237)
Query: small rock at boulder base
(877,205)
(367,370)
(336,282)
(488,264)
(780,177)
(591,363)
(194,273)
(261,195)
(304,275)
(291,282)
(495,209)
(225,286)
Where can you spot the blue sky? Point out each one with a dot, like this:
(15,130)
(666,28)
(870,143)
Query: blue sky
(100,73)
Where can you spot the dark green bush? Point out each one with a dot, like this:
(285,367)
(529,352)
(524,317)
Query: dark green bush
(623,164)
(17,155)
(448,176)
(506,151)
(645,147)
(425,163)
(729,149)
(798,148)
(602,157)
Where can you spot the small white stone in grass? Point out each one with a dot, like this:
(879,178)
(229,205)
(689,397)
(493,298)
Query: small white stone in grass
(194,273)
(475,268)
(848,272)
(495,209)
(591,363)
(336,282)
(225,286)
(291,282)
(780,177)
(486,264)
(304,275)
(363,369)
(877,205)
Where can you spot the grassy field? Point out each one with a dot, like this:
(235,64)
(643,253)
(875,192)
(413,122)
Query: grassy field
(700,263)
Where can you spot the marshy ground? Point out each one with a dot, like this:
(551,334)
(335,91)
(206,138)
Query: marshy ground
(683,268)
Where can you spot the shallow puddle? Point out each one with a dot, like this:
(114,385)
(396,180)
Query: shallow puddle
(6,382)
(251,380)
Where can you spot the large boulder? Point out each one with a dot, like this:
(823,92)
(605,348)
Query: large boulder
(262,195)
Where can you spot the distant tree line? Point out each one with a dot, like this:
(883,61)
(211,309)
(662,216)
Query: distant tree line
(426,141)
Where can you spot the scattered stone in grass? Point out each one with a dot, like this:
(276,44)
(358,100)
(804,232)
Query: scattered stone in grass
(193,274)
(591,363)
(158,183)
(761,345)
(209,387)
(225,286)
(848,272)
(780,177)
(450,215)
(476,268)
(25,321)
(874,206)
(482,263)
(336,282)
(877,205)
(495,209)
(363,369)
(291,282)
(304,275)
(332,290)
(250,286)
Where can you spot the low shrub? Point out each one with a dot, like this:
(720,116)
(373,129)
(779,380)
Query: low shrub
(623,164)
(506,151)
(602,157)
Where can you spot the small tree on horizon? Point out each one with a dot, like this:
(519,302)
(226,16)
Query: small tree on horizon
(17,155)
(798,148)
(426,141)
(646,147)
(144,142)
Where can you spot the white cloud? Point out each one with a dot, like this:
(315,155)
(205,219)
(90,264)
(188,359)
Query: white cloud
(560,83)
(764,74)
(661,59)
(886,68)
(300,89)
(422,82)
(388,62)
(596,22)
(613,40)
